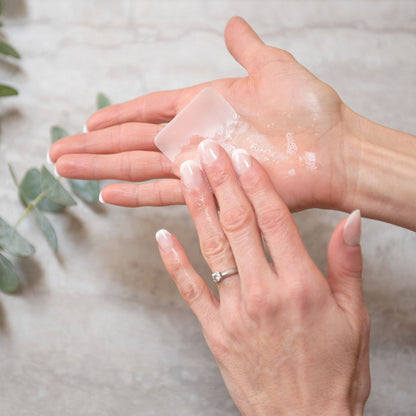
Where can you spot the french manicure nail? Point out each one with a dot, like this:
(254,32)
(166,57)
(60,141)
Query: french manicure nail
(100,198)
(48,158)
(56,172)
(85,128)
(352,229)
(241,161)
(165,240)
(191,174)
(209,151)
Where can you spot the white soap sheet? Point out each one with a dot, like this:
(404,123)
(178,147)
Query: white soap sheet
(207,116)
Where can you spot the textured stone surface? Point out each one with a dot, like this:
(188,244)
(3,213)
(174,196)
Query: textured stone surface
(101,330)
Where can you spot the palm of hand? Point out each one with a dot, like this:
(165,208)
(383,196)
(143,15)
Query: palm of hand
(294,124)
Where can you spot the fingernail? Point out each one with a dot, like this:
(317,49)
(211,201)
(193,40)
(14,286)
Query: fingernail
(85,128)
(100,198)
(191,174)
(56,172)
(209,151)
(352,229)
(241,161)
(165,240)
(48,158)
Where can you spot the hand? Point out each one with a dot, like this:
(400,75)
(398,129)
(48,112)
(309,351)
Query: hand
(287,341)
(300,119)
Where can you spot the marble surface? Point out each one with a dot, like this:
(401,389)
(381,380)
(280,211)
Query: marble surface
(101,330)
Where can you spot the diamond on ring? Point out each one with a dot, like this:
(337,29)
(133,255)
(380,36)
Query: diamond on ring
(218,276)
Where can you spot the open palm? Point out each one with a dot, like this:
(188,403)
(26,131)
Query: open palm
(295,130)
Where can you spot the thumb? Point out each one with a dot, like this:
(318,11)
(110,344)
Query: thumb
(345,262)
(244,44)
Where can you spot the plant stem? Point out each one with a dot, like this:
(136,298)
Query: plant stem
(30,207)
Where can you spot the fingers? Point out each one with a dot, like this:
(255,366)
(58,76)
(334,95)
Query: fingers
(273,217)
(191,286)
(115,139)
(156,193)
(236,214)
(157,107)
(201,204)
(244,44)
(128,166)
(345,261)
(247,48)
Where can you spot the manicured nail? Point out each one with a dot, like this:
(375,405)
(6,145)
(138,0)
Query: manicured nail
(56,172)
(85,128)
(352,229)
(191,174)
(48,158)
(241,161)
(165,240)
(209,151)
(100,198)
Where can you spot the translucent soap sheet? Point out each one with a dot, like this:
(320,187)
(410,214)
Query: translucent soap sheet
(207,116)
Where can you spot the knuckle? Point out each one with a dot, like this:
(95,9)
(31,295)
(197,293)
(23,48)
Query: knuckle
(258,302)
(218,177)
(190,291)
(126,166)
(214,246)
(281,54)
(298,295)
(271,220)
(236,219)
(218,345)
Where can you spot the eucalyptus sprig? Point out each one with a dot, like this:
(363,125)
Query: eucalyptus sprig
(40,192)
(7,50)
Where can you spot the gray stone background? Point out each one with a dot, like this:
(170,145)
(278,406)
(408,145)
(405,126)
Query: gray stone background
(101,330)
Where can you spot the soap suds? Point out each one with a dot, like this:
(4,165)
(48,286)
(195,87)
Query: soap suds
(291,146)
(309,159)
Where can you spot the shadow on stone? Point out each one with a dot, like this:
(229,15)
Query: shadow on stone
(30,274)
(4,327)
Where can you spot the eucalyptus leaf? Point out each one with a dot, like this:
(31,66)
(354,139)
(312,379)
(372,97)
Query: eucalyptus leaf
(9,281)
(6,91)
(57,133)
(12,242)
(89,191)
(54,190)
(46,228)
(13,175)
(30,188)
(102,101)
(8,50)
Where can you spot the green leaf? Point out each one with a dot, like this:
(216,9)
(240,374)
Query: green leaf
(102,101)
(57,133)
(13,175)
(12,242)
(30,188)
(9,281)
(46,228)
(6,91)
(54,190)
(8,50)
(89,191)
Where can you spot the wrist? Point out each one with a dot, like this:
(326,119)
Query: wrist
(379,167)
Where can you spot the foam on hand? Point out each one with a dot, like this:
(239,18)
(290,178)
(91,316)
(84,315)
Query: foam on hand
(208,115)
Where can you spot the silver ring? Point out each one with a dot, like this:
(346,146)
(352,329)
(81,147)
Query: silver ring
(218,276)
